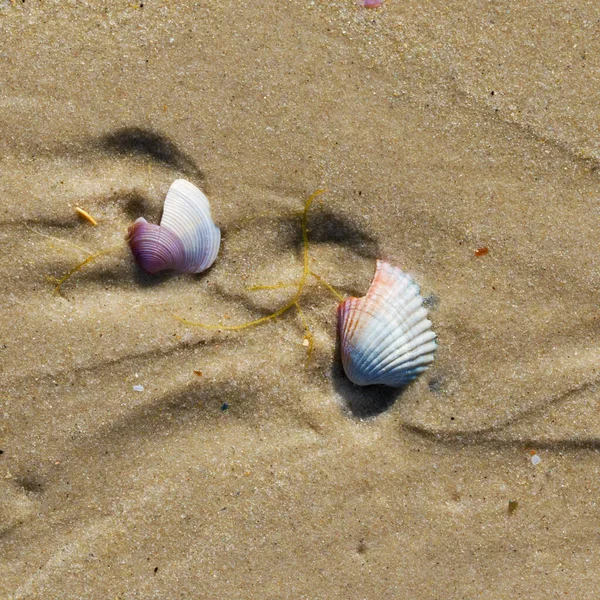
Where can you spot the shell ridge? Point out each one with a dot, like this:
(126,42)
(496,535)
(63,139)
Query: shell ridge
(399,321)
(411,339)
(354,309)
(372,329)
(387,361)
(187,218)
(154,247)
(385,335)
(187,214)
(403,358)
(360,336)
(394,304)
(199,238)
(407,372)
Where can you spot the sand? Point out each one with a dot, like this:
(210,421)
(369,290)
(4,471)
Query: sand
(437,128)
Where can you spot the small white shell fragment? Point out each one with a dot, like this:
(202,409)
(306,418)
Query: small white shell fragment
(535,460)
(385,337)
(138,388)
(187,239)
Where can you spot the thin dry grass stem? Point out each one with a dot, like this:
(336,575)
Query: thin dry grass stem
(57,239)
(277,286)
(62,280)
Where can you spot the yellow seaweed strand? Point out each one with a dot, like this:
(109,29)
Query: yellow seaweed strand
(243,325)
(299,285)
(305,232)
(89,259)
(328,286)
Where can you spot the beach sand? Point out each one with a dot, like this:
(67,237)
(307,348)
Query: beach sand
(437,129)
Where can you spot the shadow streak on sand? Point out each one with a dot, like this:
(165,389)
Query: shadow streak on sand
(134,204)
(195,404)
(197,401)
(136,141)
(74,375)
(255,309)
(462,439)
(324,227)
(144,279)
(363,402)
(327,227)
(124,273)
(488,436)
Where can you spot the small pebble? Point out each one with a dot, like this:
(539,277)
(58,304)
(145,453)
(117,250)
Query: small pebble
(138,388)
(535,460)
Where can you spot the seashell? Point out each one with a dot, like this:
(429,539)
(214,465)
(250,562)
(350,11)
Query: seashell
(186,240)
(385,336)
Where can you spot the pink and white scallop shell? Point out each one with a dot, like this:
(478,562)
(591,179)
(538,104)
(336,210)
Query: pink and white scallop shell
(385,337)
(187,240)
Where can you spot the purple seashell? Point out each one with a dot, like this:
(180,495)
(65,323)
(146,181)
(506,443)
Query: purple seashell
(154,247)
(187,240)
